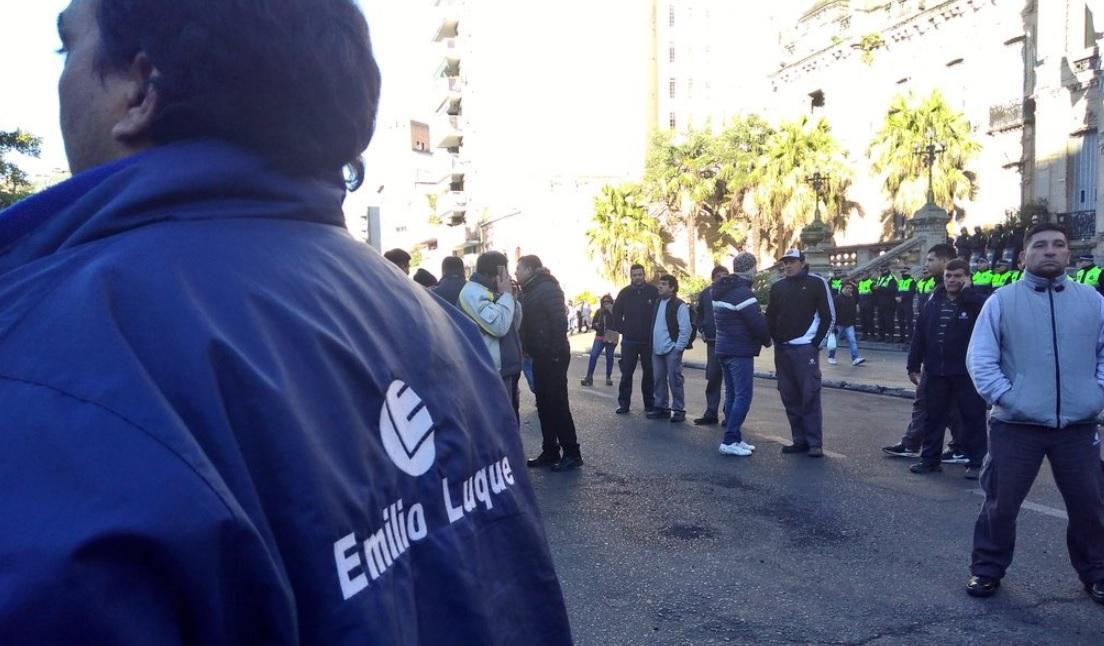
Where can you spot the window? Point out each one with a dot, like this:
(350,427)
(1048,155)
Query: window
(671,122)
(1083,155)
(671,54)
(671,85)
(671,16)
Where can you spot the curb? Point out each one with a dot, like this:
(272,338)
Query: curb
(835,384)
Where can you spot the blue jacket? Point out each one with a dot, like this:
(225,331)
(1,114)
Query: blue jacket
(226,421)
(741,326)
(947,358)
(706,323)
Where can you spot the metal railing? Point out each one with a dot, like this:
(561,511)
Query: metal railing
(888,257)
(1081,225)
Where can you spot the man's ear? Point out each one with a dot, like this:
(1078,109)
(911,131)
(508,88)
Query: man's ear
(141,102)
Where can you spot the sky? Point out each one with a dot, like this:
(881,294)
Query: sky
(28,40)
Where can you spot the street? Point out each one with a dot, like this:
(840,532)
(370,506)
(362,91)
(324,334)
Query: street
(659,539)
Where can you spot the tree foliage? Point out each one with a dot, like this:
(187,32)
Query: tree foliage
(14,183)
(781,196)
(623,232)
(906,129)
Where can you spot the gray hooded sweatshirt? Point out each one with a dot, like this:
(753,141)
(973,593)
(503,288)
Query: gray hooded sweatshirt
(1037,353)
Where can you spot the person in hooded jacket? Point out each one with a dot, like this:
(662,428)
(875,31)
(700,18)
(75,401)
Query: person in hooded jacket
(226,420)
(452,280)
(544,338)
(846,316)
(741,333)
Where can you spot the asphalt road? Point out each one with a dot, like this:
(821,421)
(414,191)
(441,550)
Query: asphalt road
(659,539)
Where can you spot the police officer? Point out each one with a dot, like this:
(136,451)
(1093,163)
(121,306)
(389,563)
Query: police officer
(1001,276)
(1087,271)
(906,294)
(837,282)
(885,300)
(866,305)
(924,288)
(983,277)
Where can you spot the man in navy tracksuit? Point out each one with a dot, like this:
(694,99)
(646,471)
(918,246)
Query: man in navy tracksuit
(225,420)
(632,317)
(939,349)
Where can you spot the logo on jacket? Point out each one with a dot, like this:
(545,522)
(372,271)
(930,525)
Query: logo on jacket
(963,316)
(406,430)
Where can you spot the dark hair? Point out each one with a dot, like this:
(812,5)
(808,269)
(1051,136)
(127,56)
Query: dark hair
(957,264)
(398,257)
(670,280)
(532,262)
(293,80)
(1045,226)
(606,298)
(635,267)
(452,265)
(719,269)
(488,262)
(943,251)
(424,278)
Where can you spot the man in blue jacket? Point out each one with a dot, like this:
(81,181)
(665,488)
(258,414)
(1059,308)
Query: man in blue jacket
(225,420)
(939,349)
(741,333)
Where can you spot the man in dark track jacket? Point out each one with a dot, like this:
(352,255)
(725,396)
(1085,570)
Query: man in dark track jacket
(939,348)
(632,317)
(452,280)
(225,420)
(799,315)
(544,338)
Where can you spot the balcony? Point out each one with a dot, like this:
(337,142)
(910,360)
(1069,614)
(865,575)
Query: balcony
(452,50)
(473,241)
(448,132)
(1080,224)
(1006,116)
(449,25)
(453,207)
(449,90)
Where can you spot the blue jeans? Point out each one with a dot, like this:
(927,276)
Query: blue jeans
(738,375)
(596,351)
(849,331)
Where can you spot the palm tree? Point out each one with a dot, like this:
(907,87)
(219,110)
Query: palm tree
(623,233)
(781,197)
(909,125)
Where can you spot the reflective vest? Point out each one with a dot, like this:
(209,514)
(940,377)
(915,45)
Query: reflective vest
(865,286)
(837,283)
(885,281)
(925,285)
(1000,280)
(1089,276)
(983,278)
(904,284)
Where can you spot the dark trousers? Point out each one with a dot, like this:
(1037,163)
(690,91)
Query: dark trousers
(714,378)
(945,394)
(885,320)
(866,312)
(512,390)
(914,434)
(904,320)
(632,353)
(1015,454)
(553,409)
(798,370)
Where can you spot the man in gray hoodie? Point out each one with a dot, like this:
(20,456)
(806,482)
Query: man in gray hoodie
(1037,356)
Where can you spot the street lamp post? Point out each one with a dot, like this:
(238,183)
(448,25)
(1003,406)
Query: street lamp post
(819,183)
(929,153)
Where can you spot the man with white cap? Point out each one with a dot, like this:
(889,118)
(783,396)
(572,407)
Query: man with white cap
(1087,271)
(799,315)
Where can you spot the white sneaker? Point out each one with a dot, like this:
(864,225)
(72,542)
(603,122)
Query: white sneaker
(858,362)
(734,449)
(749,447)
(832,360)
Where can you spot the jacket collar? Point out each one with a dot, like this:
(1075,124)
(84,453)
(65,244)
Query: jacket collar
(1040,283)
(194,180)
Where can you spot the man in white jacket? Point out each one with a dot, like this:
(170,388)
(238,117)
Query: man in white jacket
(488,299)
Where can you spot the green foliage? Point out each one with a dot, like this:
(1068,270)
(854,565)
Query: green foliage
(416,257)
(905,130)
(690,286)
(783,199)
(431,200)
(623,232)
(585,295)
(14,184)
(868,44)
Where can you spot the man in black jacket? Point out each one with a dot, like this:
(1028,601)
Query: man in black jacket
(713,375)
(632,317)
(939,348)
(799,315)
(544,338)
(452,279)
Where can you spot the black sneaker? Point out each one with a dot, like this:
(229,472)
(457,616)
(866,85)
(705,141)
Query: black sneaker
(982,586)
(568,463)
(901,451)
(678,417)
(954,457)
(1096,591)
(706,420)
(658,413)
(622,410)
(543,460)
(795,448)
(925,467)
